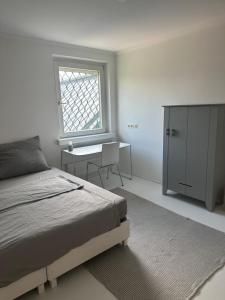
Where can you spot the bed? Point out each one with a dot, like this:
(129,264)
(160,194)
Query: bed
(51,222)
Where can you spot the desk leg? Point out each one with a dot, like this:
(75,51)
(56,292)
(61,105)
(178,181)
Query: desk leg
(61,160)
(64,167)
(74,169)
(131,167)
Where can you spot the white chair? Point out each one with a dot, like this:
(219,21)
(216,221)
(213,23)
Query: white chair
(109,158)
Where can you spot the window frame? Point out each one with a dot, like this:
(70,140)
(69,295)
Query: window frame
(85,65)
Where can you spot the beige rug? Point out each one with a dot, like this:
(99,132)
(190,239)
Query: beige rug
(168,256)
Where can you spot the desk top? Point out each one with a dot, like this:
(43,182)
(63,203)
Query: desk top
(93,149)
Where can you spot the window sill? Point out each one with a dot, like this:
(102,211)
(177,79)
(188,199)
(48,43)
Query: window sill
(88,139)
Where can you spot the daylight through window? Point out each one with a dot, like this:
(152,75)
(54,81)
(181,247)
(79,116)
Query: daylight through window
(81,103)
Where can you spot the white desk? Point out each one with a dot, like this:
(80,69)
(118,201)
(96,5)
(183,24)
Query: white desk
(84,153)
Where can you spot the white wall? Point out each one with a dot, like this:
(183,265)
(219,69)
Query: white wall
(27,89)
(185,70)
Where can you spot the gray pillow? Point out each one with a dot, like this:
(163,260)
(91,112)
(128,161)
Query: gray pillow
(22,157)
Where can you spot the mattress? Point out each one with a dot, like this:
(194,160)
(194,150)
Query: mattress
(37,230)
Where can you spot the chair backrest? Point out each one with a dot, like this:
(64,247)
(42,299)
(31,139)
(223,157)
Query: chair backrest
(110,153)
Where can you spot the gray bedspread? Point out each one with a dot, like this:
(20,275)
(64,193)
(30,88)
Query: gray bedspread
(43,216)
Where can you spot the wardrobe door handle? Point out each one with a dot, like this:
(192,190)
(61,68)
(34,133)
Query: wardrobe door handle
(185,184)
(173,132)
(167,131)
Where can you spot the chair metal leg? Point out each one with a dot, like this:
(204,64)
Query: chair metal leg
(99,173)
(119,174)
(108,169)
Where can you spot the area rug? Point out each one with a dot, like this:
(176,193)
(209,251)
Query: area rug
(168,257)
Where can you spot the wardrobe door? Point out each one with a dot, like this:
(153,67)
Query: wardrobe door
(177,135)
(197,150)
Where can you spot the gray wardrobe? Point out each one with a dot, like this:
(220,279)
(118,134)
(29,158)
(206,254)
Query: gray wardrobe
(194,152)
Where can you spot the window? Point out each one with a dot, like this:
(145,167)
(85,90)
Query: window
(81,92)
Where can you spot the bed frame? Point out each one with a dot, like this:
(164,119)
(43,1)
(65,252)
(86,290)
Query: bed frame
(72,259)
(25,284)
(87,251)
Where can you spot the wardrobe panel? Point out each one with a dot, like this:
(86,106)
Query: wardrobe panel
(197,150)
(177,148)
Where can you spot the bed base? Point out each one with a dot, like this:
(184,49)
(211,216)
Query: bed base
(72,259)
(90,249)
(25,284)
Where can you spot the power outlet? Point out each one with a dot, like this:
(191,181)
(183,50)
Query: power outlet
(132,126)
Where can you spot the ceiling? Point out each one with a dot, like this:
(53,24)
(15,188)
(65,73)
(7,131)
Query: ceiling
(107,24)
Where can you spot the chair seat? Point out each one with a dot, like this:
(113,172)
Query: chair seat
(109,158)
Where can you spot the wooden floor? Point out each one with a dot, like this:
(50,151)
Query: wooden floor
(79,284)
